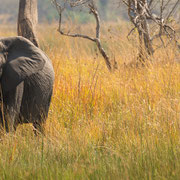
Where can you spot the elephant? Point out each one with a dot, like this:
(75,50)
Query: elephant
(26,84)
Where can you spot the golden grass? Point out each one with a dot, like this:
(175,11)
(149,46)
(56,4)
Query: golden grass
(101,125)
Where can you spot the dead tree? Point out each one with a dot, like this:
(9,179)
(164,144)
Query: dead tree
(92,10)
(27,20)
(151,26)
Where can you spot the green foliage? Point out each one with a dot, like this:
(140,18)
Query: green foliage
(47,12)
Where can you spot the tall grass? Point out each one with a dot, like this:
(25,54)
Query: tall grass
(101,125)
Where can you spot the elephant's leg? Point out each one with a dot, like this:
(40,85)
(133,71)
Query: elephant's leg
(40,119)
(9,117)
(12,103)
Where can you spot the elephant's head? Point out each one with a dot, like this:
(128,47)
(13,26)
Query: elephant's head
(19,59)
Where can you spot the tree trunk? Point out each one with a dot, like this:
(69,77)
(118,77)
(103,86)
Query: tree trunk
(145,44)
(27,20)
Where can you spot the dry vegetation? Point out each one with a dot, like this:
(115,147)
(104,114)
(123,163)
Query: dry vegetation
(101,125)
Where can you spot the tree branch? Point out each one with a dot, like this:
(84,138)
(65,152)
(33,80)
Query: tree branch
(140,11)
(94,11)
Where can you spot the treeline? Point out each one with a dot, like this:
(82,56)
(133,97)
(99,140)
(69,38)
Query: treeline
(108,10)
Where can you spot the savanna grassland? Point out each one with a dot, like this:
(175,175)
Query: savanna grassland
(102,125)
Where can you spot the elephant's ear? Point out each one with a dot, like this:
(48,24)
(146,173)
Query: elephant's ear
(18,70)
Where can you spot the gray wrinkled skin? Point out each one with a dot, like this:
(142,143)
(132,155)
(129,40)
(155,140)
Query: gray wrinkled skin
(26,79)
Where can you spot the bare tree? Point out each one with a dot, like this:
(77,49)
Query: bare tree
(90,4)
(151,19)
(27,20)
